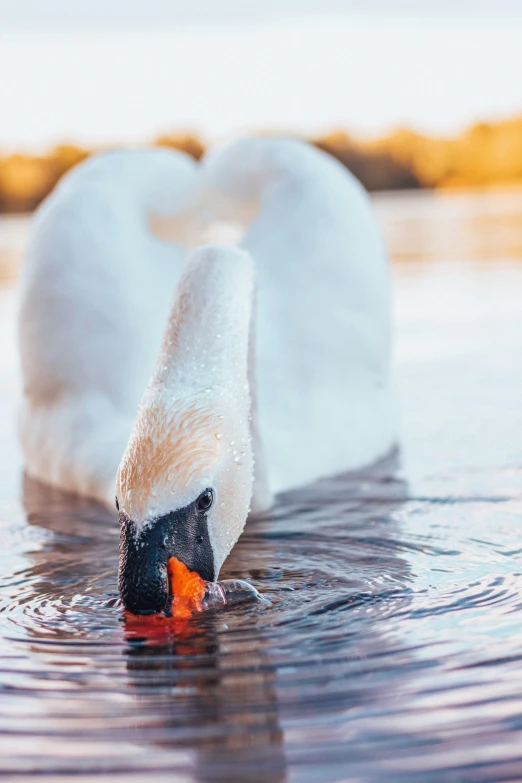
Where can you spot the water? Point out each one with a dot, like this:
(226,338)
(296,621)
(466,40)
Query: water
(392,647)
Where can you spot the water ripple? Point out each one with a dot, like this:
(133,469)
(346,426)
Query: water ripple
(354,667)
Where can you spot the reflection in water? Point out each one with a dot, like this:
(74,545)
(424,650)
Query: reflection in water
(459,225)
(217,696)
(218,699)
(13,240)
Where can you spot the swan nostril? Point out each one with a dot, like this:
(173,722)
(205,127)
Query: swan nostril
(199,539)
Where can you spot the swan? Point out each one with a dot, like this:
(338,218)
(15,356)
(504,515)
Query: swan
(191,384)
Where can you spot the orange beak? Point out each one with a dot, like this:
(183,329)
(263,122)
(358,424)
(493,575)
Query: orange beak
(187,587)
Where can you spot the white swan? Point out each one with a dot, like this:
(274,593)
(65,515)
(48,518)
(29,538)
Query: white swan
(248,393)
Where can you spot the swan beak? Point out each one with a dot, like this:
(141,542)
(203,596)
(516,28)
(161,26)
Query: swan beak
(143,578)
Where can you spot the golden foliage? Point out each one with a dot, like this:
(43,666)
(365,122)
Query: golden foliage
(25,180)
(486,154)
(185,142)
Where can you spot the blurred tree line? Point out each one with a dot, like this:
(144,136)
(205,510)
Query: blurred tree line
(486,154)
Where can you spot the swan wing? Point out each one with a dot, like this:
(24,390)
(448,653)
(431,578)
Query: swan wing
(323,329)
(96,289)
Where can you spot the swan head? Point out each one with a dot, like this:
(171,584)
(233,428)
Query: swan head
(184,484)
(183,490)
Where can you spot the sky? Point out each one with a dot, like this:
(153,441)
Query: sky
(104,71)
(35,13)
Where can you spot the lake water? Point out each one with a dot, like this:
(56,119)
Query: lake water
(392,650)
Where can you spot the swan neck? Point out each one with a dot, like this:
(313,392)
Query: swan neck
(206,343)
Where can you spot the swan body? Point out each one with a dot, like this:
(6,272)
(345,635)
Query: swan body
(258,368)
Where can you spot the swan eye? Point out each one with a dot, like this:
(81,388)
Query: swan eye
(205,500)
(117,504)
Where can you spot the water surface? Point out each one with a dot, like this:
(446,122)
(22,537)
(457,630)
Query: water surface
(393,643)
